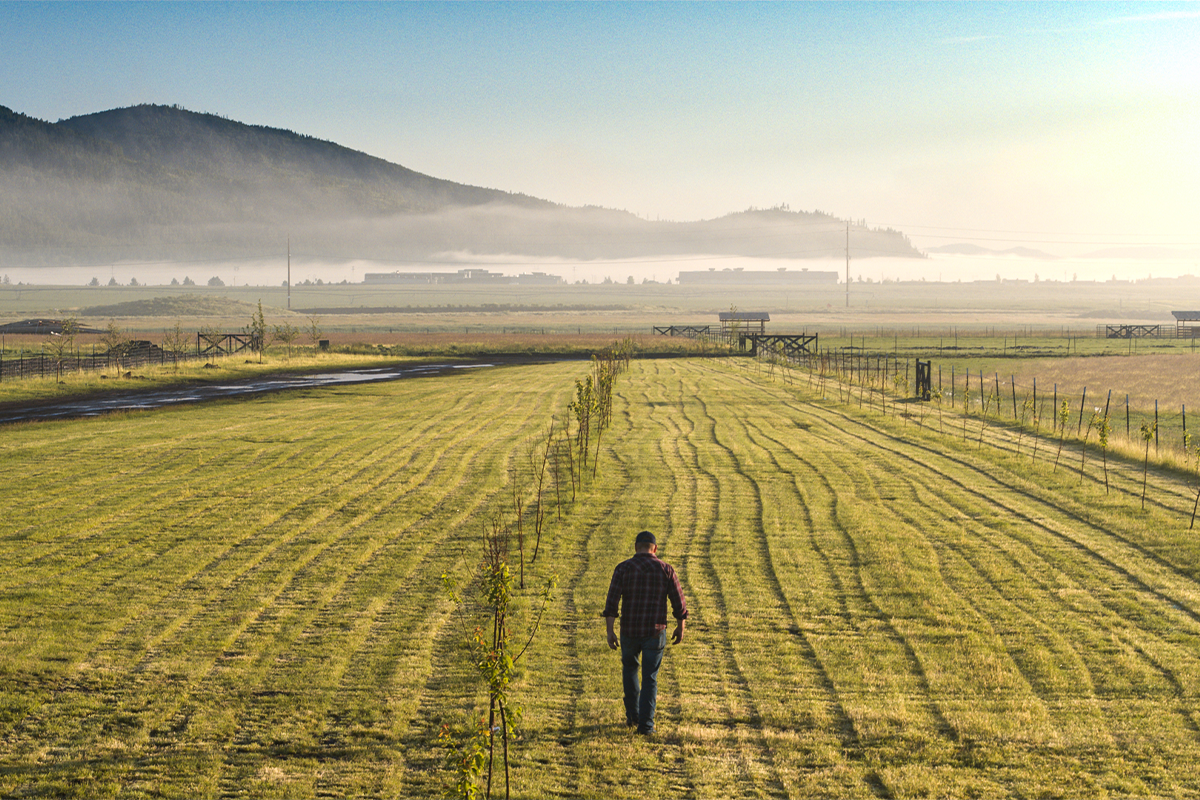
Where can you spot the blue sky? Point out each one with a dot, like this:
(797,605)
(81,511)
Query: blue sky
(1062,125)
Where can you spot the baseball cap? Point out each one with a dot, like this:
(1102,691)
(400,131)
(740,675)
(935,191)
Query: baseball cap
(645,537)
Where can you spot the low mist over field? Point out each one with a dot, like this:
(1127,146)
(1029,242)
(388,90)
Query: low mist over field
(273,271)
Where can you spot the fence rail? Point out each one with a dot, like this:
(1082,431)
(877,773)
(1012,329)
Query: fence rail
(1135,331)
(690,331)
(792,345)
(1124,331)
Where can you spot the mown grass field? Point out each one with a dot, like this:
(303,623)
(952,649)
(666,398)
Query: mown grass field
(243,599)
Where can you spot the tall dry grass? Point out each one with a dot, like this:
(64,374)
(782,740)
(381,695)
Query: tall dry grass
(1169,379)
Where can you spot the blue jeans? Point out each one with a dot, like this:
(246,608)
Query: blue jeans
(639,704)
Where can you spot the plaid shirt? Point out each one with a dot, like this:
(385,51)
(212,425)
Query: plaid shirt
(641,586)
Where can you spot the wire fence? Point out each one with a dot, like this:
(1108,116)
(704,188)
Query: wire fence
(51,365)
(882,378)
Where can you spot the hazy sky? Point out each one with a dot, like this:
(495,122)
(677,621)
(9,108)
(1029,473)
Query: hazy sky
(1064,125)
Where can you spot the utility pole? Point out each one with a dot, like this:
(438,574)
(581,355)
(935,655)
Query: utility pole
(289,246)
(847,263)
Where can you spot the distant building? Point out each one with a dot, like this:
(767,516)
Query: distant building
(477,276)
(538,279)
(471,275)
(778,277)
(402,277)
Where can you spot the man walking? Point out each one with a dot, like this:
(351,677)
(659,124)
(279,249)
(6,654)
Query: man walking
(641,586)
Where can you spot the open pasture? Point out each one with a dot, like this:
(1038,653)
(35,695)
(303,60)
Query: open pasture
(243,599)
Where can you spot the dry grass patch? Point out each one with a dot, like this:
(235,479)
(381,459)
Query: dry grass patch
(1169,379)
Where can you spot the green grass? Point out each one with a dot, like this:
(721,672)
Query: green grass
(878,614)
(242,598)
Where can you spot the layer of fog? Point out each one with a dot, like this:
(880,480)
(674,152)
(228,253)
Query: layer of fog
(936,268)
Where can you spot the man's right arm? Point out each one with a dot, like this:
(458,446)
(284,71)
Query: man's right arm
(614,641)
(611,604)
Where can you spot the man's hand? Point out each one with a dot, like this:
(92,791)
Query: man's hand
(614,641)
(677,637)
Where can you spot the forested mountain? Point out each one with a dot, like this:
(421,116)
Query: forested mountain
(163,183)
(304,173)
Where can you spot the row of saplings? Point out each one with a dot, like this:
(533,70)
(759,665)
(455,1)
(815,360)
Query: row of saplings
(553,470)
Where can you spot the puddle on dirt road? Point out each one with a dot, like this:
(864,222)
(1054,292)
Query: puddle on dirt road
(158,398)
